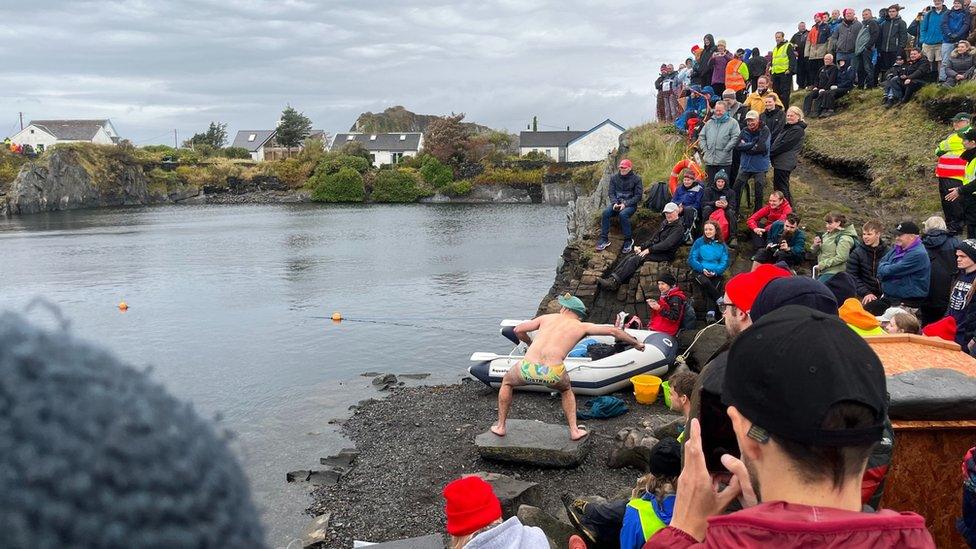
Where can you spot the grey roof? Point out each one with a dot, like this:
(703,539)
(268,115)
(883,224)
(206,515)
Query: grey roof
(260,138)
(547,139)
(71,130)
(382,141)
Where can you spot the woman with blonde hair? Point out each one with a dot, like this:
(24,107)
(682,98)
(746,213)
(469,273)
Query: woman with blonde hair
(785,149)
(940,245)
(903,323)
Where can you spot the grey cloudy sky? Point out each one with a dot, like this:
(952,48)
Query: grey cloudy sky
(153,65)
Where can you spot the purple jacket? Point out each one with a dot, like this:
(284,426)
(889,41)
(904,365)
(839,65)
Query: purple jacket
(718,67)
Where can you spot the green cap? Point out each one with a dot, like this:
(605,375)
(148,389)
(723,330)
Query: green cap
(962,116)
(573,303)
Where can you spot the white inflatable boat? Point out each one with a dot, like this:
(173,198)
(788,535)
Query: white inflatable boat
(588,376)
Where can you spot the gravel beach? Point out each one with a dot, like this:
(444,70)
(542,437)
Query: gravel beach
(417,439)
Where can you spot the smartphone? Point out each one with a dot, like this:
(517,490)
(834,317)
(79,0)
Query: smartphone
(717,435)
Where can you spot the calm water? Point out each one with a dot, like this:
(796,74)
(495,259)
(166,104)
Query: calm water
(229,305)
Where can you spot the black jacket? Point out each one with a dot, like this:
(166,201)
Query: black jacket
(827,77)
(786,147)
(757,66)
(711,195)
(941,247)
(875,31)
(894,35)
(703,73)
(775,120)
(740,115)
(799,41)
(920,70)
(862,264)
(667,239)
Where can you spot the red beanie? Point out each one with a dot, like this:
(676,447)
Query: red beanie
(471,505)
(945,328)
(696,48)
(743,289)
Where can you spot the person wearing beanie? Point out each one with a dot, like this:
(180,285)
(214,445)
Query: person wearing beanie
(717,140)
(941,248)
(688,197)
(862,322)
(794,290)
(718,197)
(904,271)
(474,519)
(96,454)
(667,311)
(807,403)
(962,308)
(943,329)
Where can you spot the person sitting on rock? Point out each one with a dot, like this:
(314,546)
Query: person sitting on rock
(626,191)
(718,197)
(556,335)
(904,271)
(786,243)
(709,258)
(688,197)
(863,262)
(833,249)
(775,209)
(661,247)
(667,311)
(474,519)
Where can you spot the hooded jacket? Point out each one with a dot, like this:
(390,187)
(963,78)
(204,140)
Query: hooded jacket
(905,274)
(867,38)
(781,524)
(847,36)
(718,139)
(770,214)
(757,64)
(835,250)
(707,254)
(786,147)
(955,26)
(930,30)
(754,149)
(718,67)
(863,266)
(960,64)
(859,320)
(894,35)
(667,239)
(754,101)
(712,194)
(941,248)
(774,120)
(628,189)
(703,72)
(920,70)
(511,534)
(668,319)
(689,197)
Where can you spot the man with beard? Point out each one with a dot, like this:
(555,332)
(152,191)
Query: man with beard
(784,243)
(807,401)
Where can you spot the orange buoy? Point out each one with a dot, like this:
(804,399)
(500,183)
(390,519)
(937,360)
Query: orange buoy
(336,316)
(123,306)
(679,167)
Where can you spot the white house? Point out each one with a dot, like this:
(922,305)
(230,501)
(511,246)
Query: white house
(384,148)
(41,134)
(573,146)
(263,146)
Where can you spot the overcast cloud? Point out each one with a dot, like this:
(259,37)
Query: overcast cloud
(153,66)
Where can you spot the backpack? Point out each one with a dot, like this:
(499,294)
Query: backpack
(659,197)
(689,318)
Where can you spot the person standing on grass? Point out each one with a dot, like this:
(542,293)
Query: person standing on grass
(930,33)
(951,170)
(967,191)
(892,41)
(867,38)
(785,151)
(717,141)
(955,27)
(783,68)
(626,191)
(754,142)
(799,41)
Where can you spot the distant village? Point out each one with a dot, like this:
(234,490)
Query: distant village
(388,148)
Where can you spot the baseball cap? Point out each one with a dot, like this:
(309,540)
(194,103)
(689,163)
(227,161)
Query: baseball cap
(670,207)
(743,288)
(626,163)
(572,303)
(794,290)
(890,313)
(752,115)
(906,227)
(961,116)
(787,370)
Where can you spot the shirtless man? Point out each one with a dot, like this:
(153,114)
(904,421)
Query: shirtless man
(543,363)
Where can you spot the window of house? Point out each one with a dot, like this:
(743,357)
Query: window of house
(372,138)
(32,131)
(396,157)
(372,158)
(40,147)
(403,138)
(349,138)
(252,137)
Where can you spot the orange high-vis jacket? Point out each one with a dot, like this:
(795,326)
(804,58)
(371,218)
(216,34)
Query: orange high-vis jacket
(736,75)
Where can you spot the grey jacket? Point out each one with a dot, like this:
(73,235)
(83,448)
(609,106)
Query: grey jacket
(717,140)
(959,64)
(511,534)
(847,36)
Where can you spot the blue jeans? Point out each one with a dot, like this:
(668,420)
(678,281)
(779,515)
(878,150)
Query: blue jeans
(624,221)
(946,52)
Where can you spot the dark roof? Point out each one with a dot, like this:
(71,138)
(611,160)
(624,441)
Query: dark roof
(381,141)
(547,139)
(71,130)
(260,138)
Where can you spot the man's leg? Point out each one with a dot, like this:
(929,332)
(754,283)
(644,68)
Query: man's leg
(627,268)
(741,182)
(759,190)
(808,103)
(869,72)
(944,58)
(569,408)
(605,223)
(953,211)
(781,183)
(511,380)
(910,90)
(857,64)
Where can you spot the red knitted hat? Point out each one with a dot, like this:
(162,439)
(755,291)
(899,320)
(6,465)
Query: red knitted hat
(743,289)
(471,505)
(945,328)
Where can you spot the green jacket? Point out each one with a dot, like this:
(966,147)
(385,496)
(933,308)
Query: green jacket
(835,248)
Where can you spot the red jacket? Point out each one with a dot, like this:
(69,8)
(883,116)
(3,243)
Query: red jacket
(771,215)
(668,319)
(784,525)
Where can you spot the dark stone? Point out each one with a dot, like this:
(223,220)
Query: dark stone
(297,476)
(632,448)
(327,477)
(535,443)
(670,430)
(316,531)
(345,458)
(414,376)
(556,530)
(512,492)
(385,381)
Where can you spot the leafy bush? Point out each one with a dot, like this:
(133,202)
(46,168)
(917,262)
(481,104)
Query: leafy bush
(458,188)
(163,178)
(395,186)
(344,186)
(536,155)
(187,156)
(9,167)
(204,150)
(508,176)
(333,162)
(214,174)
(236,152)
(293,172)
(436,174)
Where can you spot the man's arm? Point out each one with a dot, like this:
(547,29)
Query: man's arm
(733,138)
(613,190)
(604,330)
(638,192)
(672,242)
(523,329)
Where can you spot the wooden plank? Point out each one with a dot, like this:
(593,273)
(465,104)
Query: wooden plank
(908,425)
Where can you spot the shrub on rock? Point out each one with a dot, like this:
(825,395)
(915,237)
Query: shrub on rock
(346,185)
(395,186)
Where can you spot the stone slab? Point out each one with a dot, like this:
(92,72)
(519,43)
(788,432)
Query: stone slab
(433,541)
(533,442)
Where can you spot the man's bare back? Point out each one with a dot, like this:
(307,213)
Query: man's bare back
(555,337)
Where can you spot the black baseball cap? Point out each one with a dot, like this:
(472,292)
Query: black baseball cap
(907,227)
(666,458)
(787,370)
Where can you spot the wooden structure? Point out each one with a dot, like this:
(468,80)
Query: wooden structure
(925,474)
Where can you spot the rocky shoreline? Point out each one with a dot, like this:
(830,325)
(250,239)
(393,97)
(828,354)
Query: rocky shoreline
(418,439)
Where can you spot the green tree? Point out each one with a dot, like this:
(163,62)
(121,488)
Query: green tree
(344,186)
(293,128)
(436,175)
(395,186)
(215,136)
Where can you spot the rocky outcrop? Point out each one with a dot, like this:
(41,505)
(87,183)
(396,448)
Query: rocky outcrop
(64,183)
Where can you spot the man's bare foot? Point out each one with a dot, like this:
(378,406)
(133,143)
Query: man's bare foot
(497,430)
(578,434)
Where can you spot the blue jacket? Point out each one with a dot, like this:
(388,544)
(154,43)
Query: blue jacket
(754,147)
(955,26)
(689,198)
(931,27)
(711,255)
(845,78)
(632,534)
(627,189)
(797,246)
(906,277)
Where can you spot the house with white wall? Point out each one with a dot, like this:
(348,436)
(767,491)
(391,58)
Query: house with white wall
(384,148)
(262,145)
(573,146)
(43,134)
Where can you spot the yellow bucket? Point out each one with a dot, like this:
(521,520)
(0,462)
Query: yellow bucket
(646,387)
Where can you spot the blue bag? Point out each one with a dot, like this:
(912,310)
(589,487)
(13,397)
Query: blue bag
(604,407)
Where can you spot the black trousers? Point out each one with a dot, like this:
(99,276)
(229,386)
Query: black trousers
(801,72)
(828,97)
(811,102)
(711,287)
(632,263)
(813,69)
(783,86)
(719,87)
(908,91)
(774,255)
(886,60)
(758,189)
(865,70)
(734,168)
(606,520)
(955,216)
(781,183)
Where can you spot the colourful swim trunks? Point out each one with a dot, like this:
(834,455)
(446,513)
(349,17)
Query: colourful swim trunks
(540,374)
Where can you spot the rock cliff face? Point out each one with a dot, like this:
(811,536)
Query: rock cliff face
(64,183)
